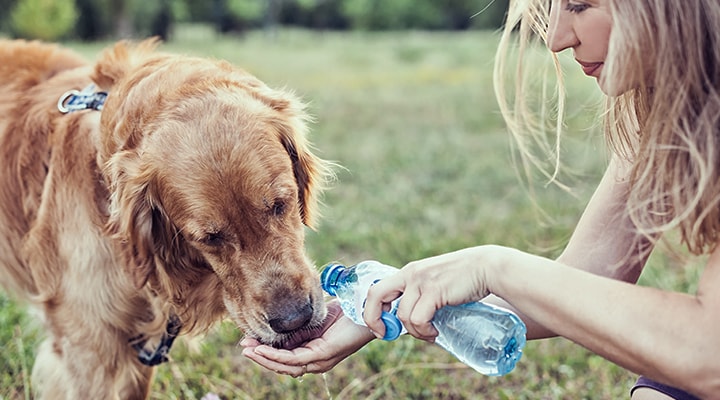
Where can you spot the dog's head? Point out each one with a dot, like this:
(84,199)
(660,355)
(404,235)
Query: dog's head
(211,183)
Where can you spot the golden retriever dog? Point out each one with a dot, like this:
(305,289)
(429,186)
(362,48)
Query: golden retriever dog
(148,195)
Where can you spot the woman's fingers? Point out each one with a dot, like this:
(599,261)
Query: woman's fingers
(420,318)
(378,299)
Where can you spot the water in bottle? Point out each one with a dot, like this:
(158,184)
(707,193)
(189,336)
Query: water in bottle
(485,337)
(350,286)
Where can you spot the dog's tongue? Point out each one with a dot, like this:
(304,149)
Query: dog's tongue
(306,334)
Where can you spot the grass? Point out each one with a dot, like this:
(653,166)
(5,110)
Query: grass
(427,169)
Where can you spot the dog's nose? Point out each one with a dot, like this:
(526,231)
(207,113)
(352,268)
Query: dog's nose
(292,318)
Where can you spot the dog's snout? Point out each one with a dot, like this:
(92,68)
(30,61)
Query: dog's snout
(291,318)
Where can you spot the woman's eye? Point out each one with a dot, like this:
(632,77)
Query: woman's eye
(576,7)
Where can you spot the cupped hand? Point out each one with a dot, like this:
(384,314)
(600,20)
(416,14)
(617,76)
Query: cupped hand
(427,285)
(341,338)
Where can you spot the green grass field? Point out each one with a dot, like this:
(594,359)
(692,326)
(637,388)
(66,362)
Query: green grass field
(427,169)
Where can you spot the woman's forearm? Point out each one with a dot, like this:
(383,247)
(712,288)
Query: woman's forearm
(663,335)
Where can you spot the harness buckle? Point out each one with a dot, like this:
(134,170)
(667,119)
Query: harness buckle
(75,100)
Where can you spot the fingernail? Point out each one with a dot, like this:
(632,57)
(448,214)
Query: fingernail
(377,335)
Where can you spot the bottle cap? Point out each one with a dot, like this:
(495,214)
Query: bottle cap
(393,326)
(329,277)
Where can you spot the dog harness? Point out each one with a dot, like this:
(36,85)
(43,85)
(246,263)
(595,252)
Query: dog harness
(158,356)
(88,98)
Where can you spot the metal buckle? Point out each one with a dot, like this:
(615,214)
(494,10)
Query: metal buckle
(74,100)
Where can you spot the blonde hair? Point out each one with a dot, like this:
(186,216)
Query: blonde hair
(667,125)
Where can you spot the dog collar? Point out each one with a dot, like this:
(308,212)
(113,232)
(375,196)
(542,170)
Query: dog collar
(88,98)
(159,355)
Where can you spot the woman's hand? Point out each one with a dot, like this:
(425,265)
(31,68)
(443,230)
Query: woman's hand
(342,338)
(427,285)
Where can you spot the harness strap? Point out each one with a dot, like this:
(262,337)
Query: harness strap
(88,98)
(158,355)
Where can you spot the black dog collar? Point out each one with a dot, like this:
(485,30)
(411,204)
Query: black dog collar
(159,355)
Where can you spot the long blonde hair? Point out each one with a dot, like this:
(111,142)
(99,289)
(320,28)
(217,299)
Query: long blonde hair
(667,125)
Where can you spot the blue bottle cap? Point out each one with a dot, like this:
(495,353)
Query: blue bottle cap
(329,277)
(393,326)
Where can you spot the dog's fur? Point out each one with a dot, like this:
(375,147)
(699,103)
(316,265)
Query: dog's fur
(185,196)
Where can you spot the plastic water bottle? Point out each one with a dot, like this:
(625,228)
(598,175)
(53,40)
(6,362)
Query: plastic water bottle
(485,337)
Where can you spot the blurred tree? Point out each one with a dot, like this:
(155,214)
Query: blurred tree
(162,22)
(249,10)
(201,10)
(271,14)
(240,15)
(158,17)
(314,14)
(490,15)
(396,14)
(122,19)
(4,16)
(47,20)
(223,19)
(93,20)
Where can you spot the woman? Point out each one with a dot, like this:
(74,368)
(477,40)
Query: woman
(659,63)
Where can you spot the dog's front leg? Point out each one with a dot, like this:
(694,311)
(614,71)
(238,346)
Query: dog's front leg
(80,370)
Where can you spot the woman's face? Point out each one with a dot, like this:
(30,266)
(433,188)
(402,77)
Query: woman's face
(584,26)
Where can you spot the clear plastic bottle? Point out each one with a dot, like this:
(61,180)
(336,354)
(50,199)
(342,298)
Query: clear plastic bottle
(487,338)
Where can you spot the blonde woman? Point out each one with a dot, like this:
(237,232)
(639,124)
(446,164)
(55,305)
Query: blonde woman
(658,61)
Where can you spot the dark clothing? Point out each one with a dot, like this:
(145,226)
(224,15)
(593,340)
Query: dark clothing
(676,394)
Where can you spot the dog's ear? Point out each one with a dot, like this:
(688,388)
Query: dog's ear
(132,214)
(115,62)
(311,172)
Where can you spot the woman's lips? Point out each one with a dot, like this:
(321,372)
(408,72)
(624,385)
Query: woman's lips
(589,68)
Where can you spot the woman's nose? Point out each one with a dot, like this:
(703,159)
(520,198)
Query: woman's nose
(561,34)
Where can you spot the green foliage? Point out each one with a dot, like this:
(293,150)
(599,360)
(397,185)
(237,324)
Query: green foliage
(43,19)
(98,19)
(490,14)
(148,16)
(4,19)
(94,19)
(419,14)
(358,14)
(247,9)
(18,339)
(397,14)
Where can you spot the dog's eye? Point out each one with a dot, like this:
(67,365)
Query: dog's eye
(213,239)
(278,208)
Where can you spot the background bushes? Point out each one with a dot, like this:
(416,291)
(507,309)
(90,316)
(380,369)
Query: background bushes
(109,19)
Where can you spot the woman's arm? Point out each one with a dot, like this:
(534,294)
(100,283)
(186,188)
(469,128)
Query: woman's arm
(604,241)
(669,337)
(583,296)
